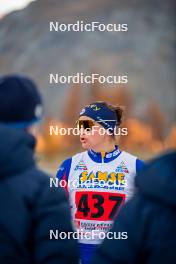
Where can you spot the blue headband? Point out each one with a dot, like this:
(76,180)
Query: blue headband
(101,114)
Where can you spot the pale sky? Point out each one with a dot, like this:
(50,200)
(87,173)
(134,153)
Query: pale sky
(7,6)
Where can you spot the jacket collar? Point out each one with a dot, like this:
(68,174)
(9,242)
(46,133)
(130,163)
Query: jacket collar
(104,157)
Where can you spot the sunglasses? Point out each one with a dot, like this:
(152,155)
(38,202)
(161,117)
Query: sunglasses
(86,124)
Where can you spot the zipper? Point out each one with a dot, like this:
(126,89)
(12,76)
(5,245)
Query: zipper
(103,156)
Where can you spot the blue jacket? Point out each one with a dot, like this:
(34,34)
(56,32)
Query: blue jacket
(149,219)
(29,209)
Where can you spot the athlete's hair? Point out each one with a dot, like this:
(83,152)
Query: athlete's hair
(119,110)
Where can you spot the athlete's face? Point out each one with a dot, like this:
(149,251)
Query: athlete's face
(92,139)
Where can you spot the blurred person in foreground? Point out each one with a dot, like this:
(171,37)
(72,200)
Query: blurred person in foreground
(29,208)
(149,219)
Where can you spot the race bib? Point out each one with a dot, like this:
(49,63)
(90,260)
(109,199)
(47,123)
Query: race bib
(100,206)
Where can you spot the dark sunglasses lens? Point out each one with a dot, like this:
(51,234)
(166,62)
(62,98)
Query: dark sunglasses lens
(86,124)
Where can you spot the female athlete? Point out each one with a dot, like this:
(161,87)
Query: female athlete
(100,179)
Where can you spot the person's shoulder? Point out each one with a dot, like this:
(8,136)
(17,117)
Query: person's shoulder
(64,169)
(38,178)
(79,155)
(66,163)
(30,177)
(34,185)
(132,156)
(129,157)
(128,154)
(139,163)
(69,160)
(47,191)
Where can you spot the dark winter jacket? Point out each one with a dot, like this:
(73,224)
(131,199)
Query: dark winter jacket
(149,219)
(29,208)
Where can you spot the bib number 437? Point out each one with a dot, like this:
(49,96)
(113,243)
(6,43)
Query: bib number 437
(102,206)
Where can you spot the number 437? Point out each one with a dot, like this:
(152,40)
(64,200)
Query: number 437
(98,205)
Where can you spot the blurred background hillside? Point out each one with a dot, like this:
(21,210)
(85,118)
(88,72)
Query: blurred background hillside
(146,53)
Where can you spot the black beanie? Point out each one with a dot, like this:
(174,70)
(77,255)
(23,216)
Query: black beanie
(20,101)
